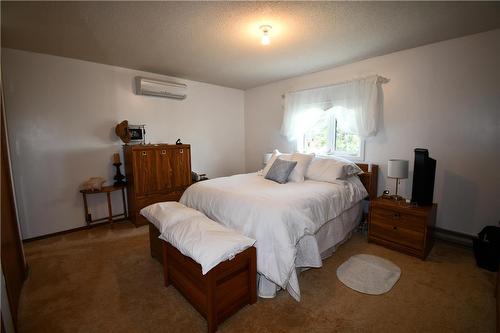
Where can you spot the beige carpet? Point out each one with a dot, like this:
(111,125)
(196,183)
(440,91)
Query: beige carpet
(103,280)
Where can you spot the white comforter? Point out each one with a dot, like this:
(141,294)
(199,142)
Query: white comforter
(276,215)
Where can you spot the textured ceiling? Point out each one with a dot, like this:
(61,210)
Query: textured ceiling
(218,42)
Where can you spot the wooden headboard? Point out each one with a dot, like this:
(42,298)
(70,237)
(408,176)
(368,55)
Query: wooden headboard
(369,179)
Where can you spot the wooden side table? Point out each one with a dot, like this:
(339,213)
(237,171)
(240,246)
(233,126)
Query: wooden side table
(111,217)
(401,226)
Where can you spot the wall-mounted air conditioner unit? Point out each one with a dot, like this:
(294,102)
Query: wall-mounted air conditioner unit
(152,87)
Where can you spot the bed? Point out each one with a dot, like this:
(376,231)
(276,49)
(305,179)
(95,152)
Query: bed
(296,225)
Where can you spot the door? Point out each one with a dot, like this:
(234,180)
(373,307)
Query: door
(13,262)
(164,170)
(181,166)
(145,171)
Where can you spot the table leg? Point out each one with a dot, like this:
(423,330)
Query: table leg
(86,209)
(124,203)
(110,210)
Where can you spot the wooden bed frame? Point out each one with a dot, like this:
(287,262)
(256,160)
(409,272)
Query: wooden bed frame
(369,180)
(224,290)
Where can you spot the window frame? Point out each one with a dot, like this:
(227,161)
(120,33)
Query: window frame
(332,151)
(335,152)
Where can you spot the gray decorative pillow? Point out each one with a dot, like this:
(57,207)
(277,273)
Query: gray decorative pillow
(280,170)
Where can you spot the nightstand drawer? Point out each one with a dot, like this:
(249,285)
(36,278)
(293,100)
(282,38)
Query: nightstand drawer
(402,227)
(399,219)
(397,233)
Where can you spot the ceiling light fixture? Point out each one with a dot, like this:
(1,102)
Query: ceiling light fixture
(266,31)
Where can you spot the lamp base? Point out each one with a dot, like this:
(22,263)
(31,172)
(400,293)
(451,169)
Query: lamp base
(118,177)
(396,197)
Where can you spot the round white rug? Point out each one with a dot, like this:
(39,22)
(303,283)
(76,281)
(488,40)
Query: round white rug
(368,274)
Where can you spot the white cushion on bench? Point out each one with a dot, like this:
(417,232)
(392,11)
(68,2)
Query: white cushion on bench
(168,213)
(195,235)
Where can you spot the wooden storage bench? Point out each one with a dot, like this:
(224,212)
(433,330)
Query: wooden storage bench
(155,244)
(225,289)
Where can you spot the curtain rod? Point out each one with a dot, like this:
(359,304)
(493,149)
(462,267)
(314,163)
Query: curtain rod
(380,79)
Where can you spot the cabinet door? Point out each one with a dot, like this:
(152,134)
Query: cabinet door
(164,170)
(145,171)
(181,167)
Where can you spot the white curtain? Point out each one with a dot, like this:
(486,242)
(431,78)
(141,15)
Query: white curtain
(355,103)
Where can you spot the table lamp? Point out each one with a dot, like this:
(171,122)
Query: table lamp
(266,158)
(397,169)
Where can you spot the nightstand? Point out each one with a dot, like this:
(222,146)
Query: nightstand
(401,226)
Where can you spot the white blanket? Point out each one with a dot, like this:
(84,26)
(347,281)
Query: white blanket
(276,215)
(195,235)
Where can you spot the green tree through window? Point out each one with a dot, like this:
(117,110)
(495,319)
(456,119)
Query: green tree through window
(327,137)
(346,142)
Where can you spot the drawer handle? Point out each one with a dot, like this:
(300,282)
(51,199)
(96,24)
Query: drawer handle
(395,228)
(396,216)
(181,151)
(163,152)
(144,153)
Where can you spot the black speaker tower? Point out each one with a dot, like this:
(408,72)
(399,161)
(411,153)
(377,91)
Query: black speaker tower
(424,171)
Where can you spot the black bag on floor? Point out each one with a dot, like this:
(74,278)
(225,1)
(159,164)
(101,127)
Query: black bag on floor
(487,248)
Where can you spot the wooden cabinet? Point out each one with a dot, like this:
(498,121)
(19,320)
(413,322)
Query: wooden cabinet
(155,173)
(402,227)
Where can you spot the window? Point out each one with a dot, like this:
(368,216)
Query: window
(335,119)
(330,135)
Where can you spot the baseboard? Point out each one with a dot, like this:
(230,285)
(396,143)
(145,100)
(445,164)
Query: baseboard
(27,240)
(453,237)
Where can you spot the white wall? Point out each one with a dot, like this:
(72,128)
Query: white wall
(61,115)
(443,96)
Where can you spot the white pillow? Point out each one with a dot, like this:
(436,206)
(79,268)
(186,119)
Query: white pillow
(171,211)
(350,168)
(299,172)
(205,241)
(195,235)
(325,170)
(329,169)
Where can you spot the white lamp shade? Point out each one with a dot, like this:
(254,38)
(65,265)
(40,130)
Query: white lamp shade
(397,169)
(266,158)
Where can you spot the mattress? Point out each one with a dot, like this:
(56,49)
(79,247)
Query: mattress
(278,216)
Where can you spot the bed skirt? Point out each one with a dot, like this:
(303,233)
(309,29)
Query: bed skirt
(312,249)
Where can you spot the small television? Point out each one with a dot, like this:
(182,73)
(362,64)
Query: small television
(137,134)
(424,171)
